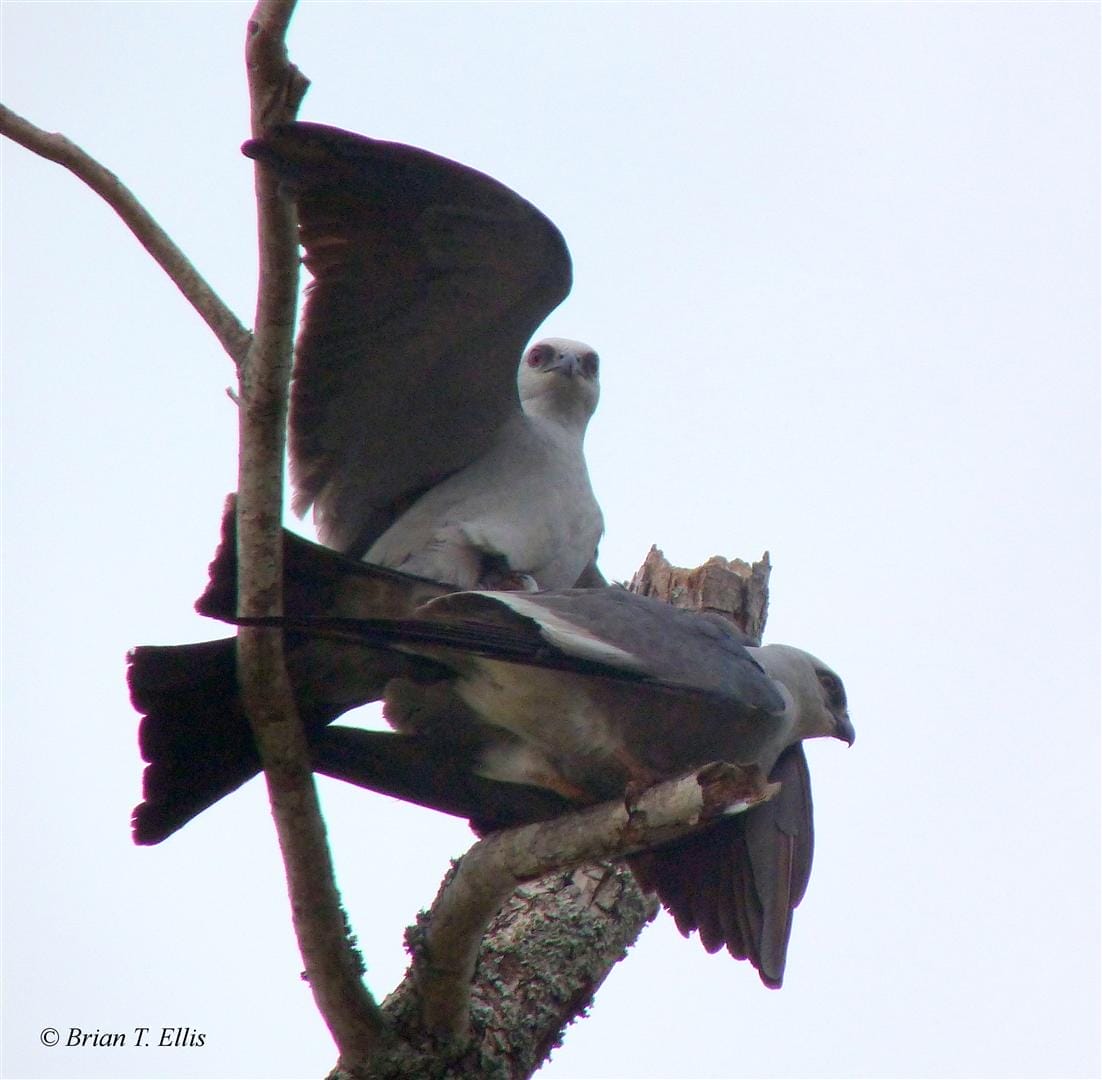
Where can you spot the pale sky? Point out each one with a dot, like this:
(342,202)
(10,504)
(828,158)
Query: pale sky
(841,263)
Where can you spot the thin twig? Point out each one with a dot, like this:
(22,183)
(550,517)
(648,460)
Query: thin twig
(333,968)
(493,868)
(235,339)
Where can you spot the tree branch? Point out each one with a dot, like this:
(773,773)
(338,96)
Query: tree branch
(235,339)
(492,869)
(333,968)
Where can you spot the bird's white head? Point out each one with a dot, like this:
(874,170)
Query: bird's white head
(560,379)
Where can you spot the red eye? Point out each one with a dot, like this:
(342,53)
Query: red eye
(539,355)
(589,364)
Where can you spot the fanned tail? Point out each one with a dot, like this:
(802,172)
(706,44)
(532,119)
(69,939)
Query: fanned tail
(193,733)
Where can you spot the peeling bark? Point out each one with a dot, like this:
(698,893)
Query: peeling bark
(737,590)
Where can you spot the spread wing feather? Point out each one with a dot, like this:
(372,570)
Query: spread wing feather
(739,881)
(608,632)
(429,279)
(631,633)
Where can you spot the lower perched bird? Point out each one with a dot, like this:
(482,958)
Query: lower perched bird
(510,707)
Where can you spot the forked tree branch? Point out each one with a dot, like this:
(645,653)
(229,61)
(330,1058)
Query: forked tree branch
(333,967)
(263,362)
(235,339)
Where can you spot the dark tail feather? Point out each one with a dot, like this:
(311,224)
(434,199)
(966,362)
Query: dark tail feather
(430,773)
(317,581)
(193,732)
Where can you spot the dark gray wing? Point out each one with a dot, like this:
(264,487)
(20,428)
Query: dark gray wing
(429,279)
(608,632)
(636,634)
(779,845)
(739,882)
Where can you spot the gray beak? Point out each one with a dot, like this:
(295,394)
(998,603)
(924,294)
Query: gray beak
(565,364)
(843,729)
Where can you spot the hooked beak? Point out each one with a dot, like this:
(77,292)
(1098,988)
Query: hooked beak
(843,729)
(565,364)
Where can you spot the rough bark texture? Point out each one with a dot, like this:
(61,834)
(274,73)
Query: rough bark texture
(737,590)
(544,956)
(447,952)
(554,941)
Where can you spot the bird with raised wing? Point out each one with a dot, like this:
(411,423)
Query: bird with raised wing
(423,433)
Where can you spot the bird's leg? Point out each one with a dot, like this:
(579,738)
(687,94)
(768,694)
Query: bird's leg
(497,575)
(639,776)
(511,581)
(556,782)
